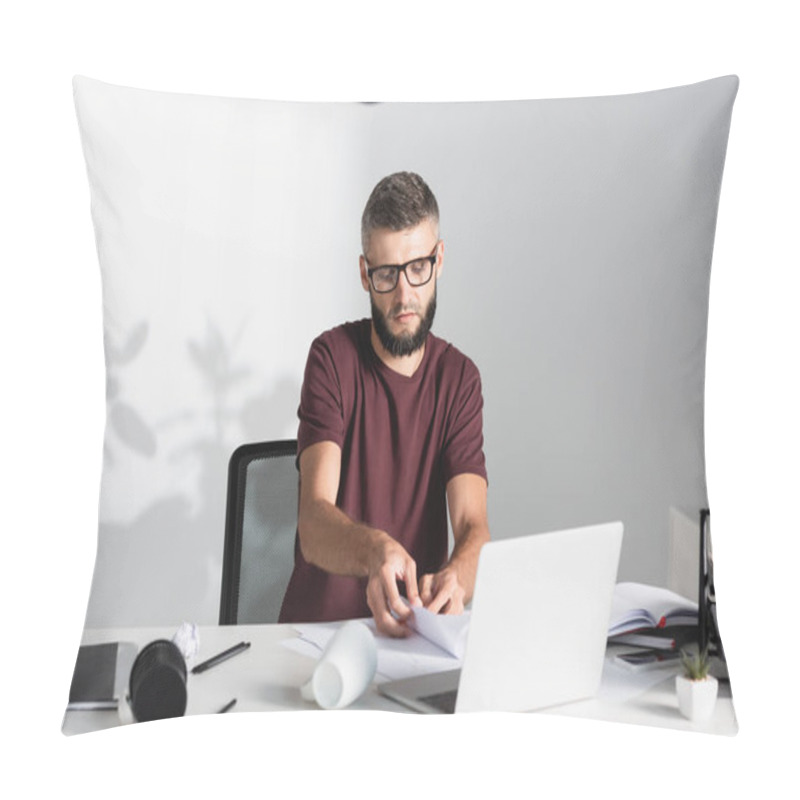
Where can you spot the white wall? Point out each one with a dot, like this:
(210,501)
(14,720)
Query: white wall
(222,258)
(576,276)
(577,252)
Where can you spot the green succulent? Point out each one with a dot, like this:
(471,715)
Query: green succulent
(695,665)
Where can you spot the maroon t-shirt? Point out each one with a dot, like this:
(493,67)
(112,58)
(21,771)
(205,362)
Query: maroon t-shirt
(402,439)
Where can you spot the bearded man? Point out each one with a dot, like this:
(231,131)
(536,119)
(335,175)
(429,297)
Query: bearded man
(390,439)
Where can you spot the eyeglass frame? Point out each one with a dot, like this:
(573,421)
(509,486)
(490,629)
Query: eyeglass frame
(398,268)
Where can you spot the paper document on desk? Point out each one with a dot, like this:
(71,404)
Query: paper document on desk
(417,654)
(448,631)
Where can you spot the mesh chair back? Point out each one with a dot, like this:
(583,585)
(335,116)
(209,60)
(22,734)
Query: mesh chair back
(260,525)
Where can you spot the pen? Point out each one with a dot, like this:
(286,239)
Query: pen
(225,654)
(227,706)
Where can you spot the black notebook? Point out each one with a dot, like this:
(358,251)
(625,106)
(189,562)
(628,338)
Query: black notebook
(101,674)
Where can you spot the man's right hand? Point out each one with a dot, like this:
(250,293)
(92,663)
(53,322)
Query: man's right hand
(390,563)
(330,540)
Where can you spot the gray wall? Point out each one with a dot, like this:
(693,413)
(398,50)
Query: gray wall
(576,276)
(578,238)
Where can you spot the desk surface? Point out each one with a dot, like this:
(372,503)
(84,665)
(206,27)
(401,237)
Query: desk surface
(268,677)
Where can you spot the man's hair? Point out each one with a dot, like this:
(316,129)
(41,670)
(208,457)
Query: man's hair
(399,201)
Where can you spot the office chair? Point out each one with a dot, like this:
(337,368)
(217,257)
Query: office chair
(260,525)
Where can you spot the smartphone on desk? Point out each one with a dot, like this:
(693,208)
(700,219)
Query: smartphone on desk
(647,659)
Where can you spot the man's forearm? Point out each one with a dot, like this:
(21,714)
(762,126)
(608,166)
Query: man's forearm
(464,558)
(332,541)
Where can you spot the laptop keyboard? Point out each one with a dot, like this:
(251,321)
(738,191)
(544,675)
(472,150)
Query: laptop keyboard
(444,701)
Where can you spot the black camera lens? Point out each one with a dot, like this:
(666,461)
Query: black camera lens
(158,682)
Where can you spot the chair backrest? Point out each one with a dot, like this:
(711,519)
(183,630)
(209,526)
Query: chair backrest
(260,526)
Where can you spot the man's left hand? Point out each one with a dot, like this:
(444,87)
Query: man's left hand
(442,592)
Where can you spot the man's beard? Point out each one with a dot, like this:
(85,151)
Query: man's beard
(398,346)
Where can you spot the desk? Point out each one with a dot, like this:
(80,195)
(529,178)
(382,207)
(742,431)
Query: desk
(268,677)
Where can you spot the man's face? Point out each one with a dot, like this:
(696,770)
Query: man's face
(403,317)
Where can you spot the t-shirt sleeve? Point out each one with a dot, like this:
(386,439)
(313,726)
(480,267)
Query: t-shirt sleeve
(463,448)
(320,410)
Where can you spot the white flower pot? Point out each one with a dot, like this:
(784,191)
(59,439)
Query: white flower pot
(696,699)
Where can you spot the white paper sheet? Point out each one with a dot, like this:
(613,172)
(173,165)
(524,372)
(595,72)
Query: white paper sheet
(447,631)
(397,658)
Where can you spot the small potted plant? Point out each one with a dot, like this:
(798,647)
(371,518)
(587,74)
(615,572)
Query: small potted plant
(697,690)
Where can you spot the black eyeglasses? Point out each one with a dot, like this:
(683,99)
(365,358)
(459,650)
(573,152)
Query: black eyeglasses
(418,272)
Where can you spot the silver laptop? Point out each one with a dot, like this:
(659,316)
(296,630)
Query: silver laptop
(538,628)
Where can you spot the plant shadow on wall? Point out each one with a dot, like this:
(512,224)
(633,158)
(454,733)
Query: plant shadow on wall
(164,566)
(124,421)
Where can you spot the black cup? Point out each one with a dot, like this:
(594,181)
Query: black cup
(158,682)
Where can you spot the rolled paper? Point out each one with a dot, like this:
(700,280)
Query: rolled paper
(346,668)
